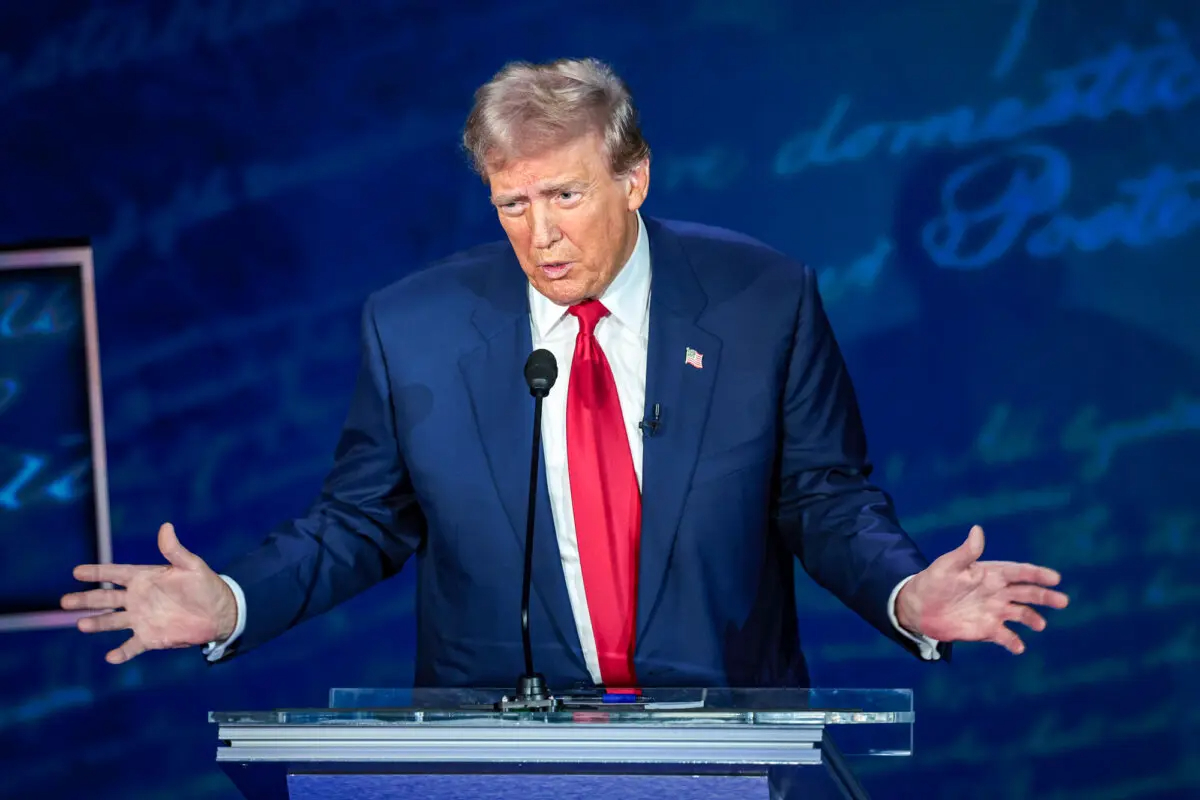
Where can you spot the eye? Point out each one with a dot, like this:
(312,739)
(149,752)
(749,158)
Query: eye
(511,209)
(569,196)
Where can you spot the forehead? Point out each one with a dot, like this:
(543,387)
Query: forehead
(580,159)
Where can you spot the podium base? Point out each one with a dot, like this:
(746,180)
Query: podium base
(525,787)
(830,780)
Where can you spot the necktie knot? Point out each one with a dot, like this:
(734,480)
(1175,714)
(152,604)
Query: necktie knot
(589,312)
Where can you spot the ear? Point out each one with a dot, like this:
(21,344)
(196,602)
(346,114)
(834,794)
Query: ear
(637,184)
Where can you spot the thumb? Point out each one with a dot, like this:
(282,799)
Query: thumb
(969,551)
(174,552)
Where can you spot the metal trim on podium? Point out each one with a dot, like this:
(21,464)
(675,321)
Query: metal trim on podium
(571,744)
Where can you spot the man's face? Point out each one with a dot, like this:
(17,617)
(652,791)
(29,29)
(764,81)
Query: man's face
(571,223)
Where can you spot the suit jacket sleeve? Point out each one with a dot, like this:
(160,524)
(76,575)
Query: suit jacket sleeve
(361,529)
(843,528)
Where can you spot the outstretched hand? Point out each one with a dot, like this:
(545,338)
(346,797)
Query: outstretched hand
(179,604)
(960,598)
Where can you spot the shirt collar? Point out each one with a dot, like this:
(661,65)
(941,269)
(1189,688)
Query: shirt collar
(627,298)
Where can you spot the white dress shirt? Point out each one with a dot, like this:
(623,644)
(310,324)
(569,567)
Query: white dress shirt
(624,336)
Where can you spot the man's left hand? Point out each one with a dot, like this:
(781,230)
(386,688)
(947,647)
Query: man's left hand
(960,598)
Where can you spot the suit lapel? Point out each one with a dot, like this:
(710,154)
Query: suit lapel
(684,393)
(503,410)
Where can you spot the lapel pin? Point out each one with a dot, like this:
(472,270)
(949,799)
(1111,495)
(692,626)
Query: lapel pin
(694,358)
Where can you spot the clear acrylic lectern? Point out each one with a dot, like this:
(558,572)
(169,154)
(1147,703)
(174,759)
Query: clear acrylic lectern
(684,744)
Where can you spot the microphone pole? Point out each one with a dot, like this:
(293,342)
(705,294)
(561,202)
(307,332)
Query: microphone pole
(541,371)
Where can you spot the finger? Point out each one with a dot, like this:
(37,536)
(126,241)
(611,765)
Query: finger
(1026,616)
(1008,640)
(120,574)
(96,598)
(113,621)
(171,548)
(132,648)
(1037,596)
(969,551)
(1027,573)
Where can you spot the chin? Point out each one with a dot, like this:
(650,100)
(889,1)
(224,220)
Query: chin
(560,294)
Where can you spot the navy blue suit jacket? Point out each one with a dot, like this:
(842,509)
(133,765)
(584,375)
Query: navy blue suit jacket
(760,456)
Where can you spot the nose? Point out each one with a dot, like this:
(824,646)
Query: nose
(543,226)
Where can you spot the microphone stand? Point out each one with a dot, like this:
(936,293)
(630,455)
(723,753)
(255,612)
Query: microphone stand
(541,370)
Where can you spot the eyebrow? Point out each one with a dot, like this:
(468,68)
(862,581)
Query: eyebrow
(546,191)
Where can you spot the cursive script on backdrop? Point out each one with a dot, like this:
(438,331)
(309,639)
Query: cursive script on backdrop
(106,39)
(1162,204)
(226,189)
(1165,76)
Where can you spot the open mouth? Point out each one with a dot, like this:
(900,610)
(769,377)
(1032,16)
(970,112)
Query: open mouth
(555,269)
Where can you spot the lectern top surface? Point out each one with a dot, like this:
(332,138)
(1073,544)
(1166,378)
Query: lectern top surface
(648,707)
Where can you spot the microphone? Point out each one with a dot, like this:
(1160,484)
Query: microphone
(649,427)
(541,370)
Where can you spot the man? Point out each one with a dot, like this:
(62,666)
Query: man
(703,431)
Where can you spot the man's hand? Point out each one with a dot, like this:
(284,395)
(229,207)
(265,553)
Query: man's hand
(960,598)
(178,605)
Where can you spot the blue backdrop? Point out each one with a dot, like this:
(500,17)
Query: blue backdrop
(1003,200)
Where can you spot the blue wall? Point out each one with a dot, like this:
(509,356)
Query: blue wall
(1003,199)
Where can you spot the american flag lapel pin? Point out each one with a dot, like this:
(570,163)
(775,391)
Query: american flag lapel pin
(694,358)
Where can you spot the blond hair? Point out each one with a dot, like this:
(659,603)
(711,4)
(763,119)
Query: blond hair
(526,109)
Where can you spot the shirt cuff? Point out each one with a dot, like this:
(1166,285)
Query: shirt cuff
(928,647)
(215,651)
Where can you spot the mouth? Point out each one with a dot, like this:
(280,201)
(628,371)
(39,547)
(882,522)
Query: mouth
(555,269)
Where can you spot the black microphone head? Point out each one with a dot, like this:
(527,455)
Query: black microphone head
(541,371)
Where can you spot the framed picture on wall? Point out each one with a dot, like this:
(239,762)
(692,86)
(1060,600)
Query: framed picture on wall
(54,510)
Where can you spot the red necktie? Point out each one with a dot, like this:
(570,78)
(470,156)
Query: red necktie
(606,499)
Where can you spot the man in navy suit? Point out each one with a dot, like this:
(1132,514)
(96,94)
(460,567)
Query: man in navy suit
(703,432)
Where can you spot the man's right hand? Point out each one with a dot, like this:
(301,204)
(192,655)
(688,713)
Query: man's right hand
(181,604)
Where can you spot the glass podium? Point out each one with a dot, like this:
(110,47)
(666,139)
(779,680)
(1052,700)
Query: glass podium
(385,744)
